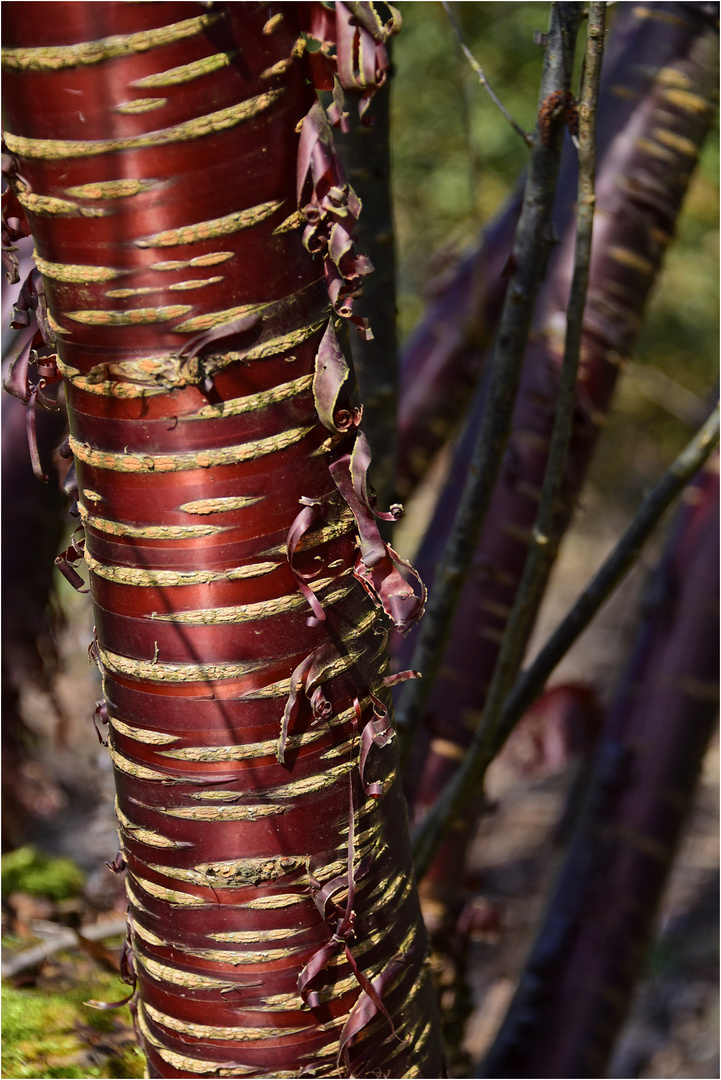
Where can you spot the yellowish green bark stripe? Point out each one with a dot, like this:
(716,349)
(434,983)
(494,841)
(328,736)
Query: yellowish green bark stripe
(155,671)
(185,72)
(129,316)
(221,505)
(140,105)
(57,149)
(57,57)
(253,402)
(74,272)
(200,459)
(148,532)
(262,609)
(112,189)
(212,229)
(209,1031)
(147,578)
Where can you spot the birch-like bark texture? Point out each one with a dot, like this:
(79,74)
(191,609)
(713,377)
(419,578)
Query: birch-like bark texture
(190,224)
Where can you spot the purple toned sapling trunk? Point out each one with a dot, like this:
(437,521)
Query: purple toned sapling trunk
(575,991)
(647,149)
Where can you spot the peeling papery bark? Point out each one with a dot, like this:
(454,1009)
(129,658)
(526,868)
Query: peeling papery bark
(192,232)
(667,98)
(351,61)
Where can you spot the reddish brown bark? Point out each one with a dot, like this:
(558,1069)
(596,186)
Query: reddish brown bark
(162,152)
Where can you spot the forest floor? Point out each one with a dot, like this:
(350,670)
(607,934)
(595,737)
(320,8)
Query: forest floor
(672,1030)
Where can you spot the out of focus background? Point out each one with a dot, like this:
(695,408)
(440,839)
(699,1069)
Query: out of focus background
(455,162)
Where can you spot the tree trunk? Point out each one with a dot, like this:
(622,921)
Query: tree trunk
(161,153)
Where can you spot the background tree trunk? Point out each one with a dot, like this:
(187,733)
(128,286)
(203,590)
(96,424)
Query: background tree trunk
(646,153)
(575,991)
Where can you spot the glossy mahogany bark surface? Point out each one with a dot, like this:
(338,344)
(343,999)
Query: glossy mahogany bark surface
(163,153)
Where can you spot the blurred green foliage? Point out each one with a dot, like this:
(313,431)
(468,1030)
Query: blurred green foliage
(28,870)
(455,158)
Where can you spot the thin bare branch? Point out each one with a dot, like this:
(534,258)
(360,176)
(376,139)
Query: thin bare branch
(485,744)
(546,528)
(545,533)
(528,139)
(529,261)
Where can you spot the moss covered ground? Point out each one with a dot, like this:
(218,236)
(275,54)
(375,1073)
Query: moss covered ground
(47,1031)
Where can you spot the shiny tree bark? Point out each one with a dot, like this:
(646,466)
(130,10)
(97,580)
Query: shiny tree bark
(163,154)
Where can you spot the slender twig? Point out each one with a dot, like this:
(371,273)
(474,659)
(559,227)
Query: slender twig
(544,538)
(529,259)
(543,541)
(474,169)
(65,939)
(528,140)
(486,745)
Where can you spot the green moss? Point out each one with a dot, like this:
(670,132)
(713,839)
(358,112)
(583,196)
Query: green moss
(48,1034)
(28,870)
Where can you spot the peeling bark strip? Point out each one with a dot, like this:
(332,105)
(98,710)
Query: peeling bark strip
(240,632)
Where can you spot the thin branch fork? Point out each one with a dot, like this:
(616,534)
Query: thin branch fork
(545,531)
(546,528)
(529,260)
(485,744)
